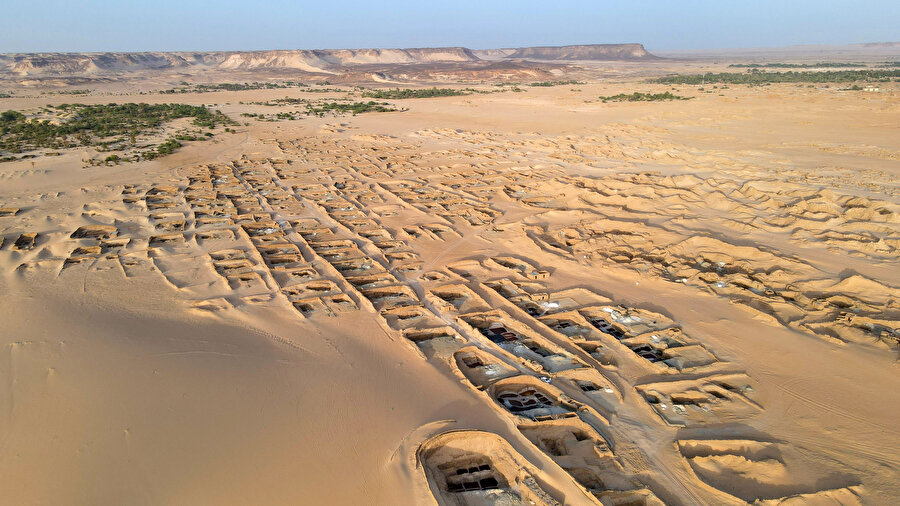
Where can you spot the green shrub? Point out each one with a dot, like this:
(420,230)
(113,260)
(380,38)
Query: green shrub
(546,84)
(757,77)
(415,93)
(97,125)
(643,97)
(795,65)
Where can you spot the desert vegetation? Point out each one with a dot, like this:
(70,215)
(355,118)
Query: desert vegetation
(319,108)
(754,76)
(74,92)
(547,84)
(354,108)
(776,65)
(207,88)
(108,127)
(643,97)
(400,93)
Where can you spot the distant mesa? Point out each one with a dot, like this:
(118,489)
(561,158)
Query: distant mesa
(326,61)
(318,60)
(584,52)
(882,45)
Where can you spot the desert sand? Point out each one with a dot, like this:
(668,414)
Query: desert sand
(496,298)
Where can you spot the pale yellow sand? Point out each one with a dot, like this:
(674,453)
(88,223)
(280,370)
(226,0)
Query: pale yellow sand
(761,228)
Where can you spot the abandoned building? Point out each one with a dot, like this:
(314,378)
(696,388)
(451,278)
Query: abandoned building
(528,397)
(475,468)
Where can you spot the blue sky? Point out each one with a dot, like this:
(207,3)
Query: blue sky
(109,25)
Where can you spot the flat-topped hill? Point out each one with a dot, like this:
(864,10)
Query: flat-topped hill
(307,60)
(584,52)
(318,60)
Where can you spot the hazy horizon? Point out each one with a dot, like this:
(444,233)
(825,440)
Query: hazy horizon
(104,26)
(649,49)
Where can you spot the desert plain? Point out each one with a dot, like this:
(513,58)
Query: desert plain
(521,293)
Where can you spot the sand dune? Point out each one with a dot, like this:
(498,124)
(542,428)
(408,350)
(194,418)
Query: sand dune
(498,298)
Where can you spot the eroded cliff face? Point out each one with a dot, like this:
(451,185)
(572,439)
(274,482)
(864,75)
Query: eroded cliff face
(93,63)
(327,61)
(584,52)
(381,56)
(321,60)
